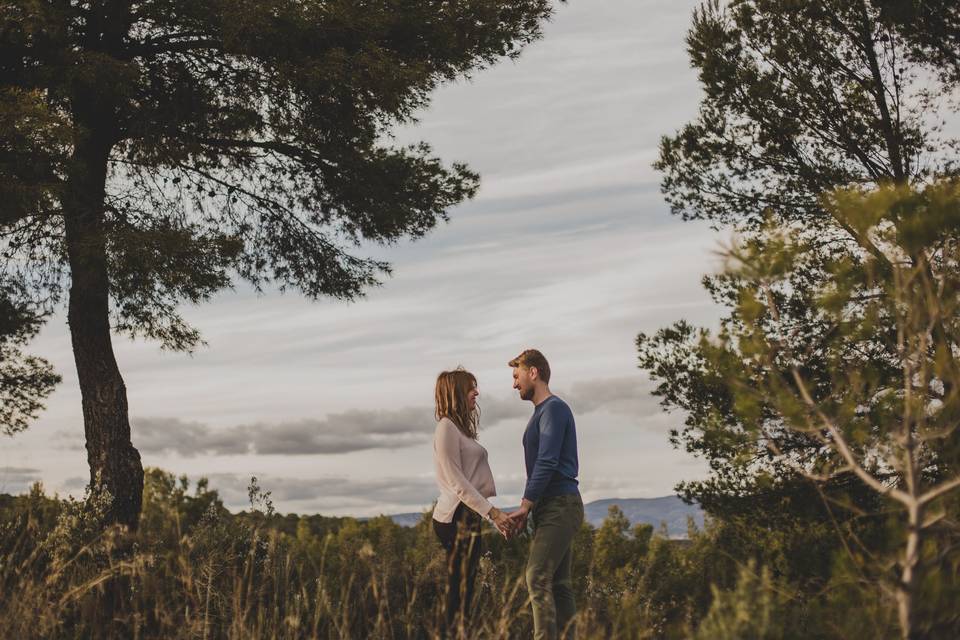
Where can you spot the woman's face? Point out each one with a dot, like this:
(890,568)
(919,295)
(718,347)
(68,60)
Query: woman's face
(472,398)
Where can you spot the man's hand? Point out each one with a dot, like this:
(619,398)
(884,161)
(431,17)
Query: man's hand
(519,517)
(518,520)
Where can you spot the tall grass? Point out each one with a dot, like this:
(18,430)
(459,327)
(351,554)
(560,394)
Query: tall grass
(238,576)
(194,570)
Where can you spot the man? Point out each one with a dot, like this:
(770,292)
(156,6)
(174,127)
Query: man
(551,497)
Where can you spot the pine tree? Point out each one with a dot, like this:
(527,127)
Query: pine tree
(900,441)
(164,149)
(798,99)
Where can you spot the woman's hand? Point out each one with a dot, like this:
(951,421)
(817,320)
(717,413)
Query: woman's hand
(503,523)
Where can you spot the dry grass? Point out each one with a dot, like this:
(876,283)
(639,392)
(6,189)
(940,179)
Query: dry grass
(229,578)
(195,571)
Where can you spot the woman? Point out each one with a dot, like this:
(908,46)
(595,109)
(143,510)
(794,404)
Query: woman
(465,481)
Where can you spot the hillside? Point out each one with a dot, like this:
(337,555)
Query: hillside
(668,509)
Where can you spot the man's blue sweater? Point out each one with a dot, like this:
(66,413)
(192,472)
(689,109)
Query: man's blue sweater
(550,450)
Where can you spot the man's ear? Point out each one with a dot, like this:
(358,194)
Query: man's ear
(534,373)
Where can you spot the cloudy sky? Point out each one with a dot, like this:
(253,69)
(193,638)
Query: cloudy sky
(568,247)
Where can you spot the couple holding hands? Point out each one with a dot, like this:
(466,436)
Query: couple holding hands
(551,497)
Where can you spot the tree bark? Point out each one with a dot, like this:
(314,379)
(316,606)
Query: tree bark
(115,467)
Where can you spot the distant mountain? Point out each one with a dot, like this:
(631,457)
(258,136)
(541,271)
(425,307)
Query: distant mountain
(669,509)
(407,519)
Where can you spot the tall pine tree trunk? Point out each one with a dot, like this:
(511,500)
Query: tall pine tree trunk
(115,467)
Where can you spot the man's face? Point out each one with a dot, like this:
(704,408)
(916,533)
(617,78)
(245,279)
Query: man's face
(523,382)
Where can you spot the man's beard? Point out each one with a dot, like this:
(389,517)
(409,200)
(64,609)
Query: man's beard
(526,395)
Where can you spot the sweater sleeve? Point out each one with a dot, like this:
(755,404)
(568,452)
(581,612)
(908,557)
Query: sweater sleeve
(447,447)
(552,426)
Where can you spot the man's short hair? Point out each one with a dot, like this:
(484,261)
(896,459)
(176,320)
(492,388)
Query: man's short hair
(533,358)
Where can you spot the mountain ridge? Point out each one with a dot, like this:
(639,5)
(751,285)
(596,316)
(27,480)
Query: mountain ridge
(669,510)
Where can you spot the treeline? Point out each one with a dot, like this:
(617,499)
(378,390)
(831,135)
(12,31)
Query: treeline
(195,570)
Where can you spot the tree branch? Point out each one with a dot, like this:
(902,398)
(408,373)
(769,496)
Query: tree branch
(879,95)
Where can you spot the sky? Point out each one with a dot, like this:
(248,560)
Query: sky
(568,247)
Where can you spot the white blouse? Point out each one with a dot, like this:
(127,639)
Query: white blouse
(463,473)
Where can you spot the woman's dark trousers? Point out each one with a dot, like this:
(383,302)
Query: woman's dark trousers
(461,540)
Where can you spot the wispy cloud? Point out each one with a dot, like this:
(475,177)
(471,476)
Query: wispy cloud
(345,432)
(360,430)
(628,395)
(16,479)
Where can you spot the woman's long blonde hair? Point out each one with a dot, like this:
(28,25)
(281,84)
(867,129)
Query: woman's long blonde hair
(451,397)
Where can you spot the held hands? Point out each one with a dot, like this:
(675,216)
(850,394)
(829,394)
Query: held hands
(510,524)
(504,524)
(519,517)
